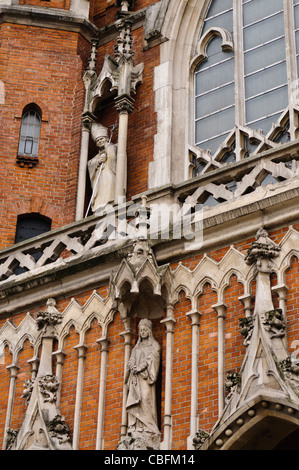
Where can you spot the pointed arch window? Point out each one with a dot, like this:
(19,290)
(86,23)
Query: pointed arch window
(29,135)
(246,79)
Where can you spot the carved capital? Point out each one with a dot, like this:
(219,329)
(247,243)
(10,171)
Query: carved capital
(124,104)
(169,323)
(87,120)
(194,316)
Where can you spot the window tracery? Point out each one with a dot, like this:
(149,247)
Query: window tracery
(245,81)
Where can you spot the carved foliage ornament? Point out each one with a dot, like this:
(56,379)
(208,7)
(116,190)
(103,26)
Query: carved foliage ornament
(59,429)
(50,317)
(48,386)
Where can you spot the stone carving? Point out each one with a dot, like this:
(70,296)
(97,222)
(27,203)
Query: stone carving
(43,428)
(11,437)
(48,386)
(141,376)
(274,323)
(50,317)
(58,429)
(232,383)
(246,327)
(263,247)
(268,375)
(102,168)
(28,387)
(200,437)
(290,370)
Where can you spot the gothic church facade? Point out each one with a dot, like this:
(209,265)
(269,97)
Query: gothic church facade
(149,271)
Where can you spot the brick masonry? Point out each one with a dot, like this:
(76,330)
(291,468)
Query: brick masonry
(207,366)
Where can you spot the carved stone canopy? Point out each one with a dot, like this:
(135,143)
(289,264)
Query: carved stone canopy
(140,284)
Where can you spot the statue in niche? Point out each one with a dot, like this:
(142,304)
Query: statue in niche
(102,168)
(141,377)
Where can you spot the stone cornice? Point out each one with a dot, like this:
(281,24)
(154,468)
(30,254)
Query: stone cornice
(230,225)
(47,18)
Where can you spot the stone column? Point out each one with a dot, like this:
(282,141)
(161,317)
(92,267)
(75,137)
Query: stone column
(194,316)
(11,396)
(79,392)
(220,310)
(247,302)
(34,362)
(127,335)
(60,356)
(282,291)
(86,127)
(124,107)
(87,119)
(169,323)
(104,342)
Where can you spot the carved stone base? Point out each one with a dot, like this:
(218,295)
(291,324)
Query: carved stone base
(145,441)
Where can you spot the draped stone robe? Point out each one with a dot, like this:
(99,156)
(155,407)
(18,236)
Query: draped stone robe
(141,399)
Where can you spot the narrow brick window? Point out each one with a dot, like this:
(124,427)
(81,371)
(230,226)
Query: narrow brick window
(29,136)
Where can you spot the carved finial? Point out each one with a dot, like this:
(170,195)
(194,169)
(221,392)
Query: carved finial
(123,47)
(50,317)
(92,61)
(263,247)
(90,72)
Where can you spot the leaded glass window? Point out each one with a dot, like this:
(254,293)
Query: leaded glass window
(246,79)
(30,132)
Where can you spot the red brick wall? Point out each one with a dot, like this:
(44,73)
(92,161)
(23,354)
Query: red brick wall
(208,359)
(51,64)
(61,4)
(45,67)
(181,373)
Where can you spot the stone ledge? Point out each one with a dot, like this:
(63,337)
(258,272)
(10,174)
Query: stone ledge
(47,18)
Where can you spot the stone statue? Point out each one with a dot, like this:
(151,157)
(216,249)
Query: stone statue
(142,372)
(102,168)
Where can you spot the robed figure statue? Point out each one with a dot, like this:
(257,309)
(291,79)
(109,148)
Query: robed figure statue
(102,168)
(141,377)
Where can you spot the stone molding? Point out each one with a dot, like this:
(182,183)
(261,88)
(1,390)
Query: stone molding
(48,18)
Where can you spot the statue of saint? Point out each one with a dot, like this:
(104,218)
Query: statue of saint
(142,372)
(102,169)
